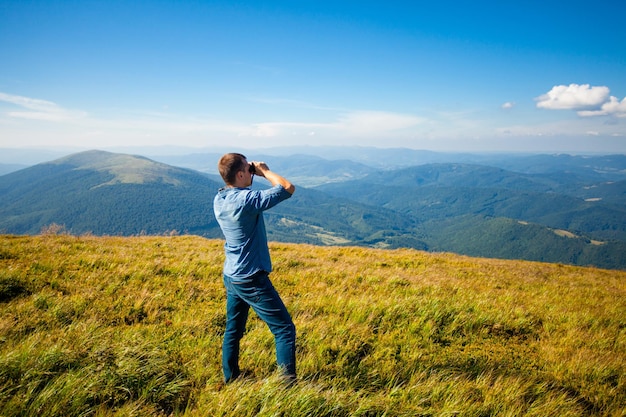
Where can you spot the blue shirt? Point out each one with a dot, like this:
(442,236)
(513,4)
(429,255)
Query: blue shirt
(239,212)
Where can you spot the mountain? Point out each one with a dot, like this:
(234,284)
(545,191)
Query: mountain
(609,167)
(438,191)
(492,212)
(571,216)
(116,194)
(107,194)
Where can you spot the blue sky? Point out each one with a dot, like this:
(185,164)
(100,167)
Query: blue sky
(538,76)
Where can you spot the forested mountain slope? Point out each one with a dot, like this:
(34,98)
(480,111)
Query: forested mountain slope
(567,217)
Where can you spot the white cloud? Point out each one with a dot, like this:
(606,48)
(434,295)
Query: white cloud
(508,105)
(612,107)
(588,101)
(39,109)
(573,97)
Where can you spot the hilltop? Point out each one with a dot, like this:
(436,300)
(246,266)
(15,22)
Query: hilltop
(105,193)
(132,326)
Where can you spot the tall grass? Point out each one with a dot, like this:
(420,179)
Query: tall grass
(103,326)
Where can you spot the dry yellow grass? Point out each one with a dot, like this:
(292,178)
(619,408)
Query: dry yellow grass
(132,326)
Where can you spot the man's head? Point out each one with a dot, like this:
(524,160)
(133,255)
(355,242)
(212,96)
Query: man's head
(230,165)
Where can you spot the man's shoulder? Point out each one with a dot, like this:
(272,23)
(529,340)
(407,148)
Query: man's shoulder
(250,196)
(238,196)
(231,191)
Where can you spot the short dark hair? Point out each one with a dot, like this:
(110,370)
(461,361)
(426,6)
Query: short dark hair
(229,165)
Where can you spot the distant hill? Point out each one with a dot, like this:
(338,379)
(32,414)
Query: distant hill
(447,190)
(116,194)
(305,170)
(488,211)
(107,194)
(609,167)
(556,216)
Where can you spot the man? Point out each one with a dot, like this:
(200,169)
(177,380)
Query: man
(239,212)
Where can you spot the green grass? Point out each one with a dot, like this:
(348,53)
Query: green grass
(104,326)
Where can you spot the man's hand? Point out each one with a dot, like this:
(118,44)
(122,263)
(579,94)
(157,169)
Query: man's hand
(262,170)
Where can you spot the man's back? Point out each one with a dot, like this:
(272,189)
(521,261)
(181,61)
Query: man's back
(239,212)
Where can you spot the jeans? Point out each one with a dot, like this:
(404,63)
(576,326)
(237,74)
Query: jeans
(257,292)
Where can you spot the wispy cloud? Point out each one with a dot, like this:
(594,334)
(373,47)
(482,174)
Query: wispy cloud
(324,126)
(355,123)
(586,100)
(161,127)
(375,122)
(36,109)
(287,102)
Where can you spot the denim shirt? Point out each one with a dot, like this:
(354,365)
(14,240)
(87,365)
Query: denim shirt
(239,212)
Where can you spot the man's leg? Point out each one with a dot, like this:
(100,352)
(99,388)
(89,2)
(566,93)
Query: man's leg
(236,317)
(271,309)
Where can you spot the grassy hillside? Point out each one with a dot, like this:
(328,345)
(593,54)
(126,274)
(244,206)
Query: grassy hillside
(109,326)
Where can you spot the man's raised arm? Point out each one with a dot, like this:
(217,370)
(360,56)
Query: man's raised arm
(262,170)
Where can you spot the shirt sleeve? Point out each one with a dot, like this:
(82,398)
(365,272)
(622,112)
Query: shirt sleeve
(266,199)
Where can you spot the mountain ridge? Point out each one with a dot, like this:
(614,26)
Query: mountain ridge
(88,193)
(457,207)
